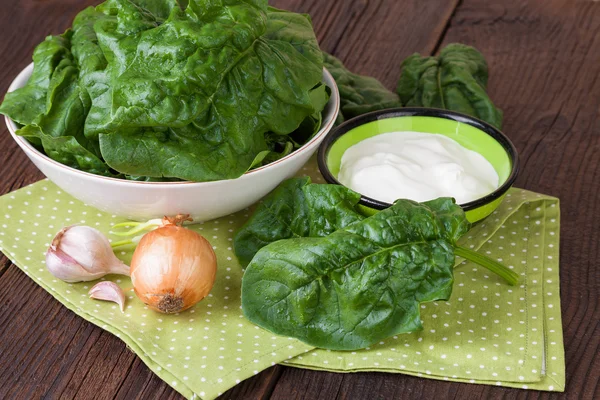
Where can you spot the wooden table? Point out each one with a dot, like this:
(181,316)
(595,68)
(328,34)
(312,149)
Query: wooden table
(544,58)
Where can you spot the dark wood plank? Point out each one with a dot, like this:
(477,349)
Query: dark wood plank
(46,350)
(49,351)
(140,383)
(306,384)
(259,386)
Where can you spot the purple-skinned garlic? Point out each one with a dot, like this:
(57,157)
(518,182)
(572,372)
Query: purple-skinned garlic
(108,291)
(81,253)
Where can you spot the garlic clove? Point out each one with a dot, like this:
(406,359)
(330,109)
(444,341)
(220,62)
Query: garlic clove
(64,267)
(108,291)
(81,253)
(91,249)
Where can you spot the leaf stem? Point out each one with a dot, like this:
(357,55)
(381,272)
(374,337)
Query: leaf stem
(121,243)
(509,276)
(137,227)
(127,242)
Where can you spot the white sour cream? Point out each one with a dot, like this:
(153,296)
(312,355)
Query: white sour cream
(417,166)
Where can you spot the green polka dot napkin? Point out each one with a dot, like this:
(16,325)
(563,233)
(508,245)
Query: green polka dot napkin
(488,332)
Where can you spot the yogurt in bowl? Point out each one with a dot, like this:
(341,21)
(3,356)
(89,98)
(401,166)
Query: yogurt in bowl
(417,166)
(420,154)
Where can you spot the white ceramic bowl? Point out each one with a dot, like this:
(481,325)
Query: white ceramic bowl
(202,200)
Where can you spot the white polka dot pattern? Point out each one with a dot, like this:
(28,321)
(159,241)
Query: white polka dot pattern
(487,332)
(204,350)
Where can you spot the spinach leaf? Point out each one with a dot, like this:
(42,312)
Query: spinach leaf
(358,94)
(281,145)
(66,150)
(296,208)
(25,104)
(53,107)
(360,284)
(199,107)
(60,129)
(455,80)
(279,150)
(312,124)
(84,43)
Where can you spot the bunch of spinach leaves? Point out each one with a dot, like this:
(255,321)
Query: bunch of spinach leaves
(161,89)
(455,80)
(322,272)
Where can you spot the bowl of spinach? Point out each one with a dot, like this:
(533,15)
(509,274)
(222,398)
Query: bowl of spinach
(151,107)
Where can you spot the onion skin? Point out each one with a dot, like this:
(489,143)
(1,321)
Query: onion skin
(173,268)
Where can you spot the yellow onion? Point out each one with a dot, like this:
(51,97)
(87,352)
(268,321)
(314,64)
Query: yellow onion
(173,267)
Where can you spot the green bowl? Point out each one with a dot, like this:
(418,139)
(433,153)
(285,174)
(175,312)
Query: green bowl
(471,133)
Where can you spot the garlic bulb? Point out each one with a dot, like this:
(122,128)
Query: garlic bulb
(82,253)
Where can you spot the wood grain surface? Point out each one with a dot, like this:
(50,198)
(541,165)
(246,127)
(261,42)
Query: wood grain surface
(544,58)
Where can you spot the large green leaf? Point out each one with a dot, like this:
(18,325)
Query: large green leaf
(296,208)
(456,80)
(84,43)
(198,106)
(360,284)
(52,107)
(60,129)
(25,104)
(281,145)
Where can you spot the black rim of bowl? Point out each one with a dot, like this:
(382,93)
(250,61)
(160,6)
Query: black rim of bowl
(347,126)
